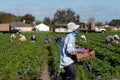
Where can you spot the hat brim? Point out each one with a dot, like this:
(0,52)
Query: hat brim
(75,28)
(69,30)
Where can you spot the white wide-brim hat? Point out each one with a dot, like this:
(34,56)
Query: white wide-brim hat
(72,27)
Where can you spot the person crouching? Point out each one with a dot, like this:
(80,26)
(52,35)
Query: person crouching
(83,38)
(33,38)
(22,38)
(12,37)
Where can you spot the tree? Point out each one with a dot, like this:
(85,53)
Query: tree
(19,18)
(114,22)
(48,22)
(91,20)
(7,17)
(98,23)
(28,18)
(37,22)
(82,25)
(65,16)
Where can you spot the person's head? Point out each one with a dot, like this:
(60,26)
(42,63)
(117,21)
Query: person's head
(72,28)
(47,36)
(33,35)
(21,35)
(12,35)
(116,37)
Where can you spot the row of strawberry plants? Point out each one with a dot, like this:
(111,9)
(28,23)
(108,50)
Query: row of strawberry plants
(102,52)
(100,66)
(55,59)
(22,58)
(99,70)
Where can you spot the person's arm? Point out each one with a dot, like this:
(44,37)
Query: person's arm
(71,47)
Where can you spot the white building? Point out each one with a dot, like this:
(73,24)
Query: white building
(42,27)
(60,29)
(22,26)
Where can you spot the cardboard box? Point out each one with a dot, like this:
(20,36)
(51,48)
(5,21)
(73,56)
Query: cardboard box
(46,45)
(87,55)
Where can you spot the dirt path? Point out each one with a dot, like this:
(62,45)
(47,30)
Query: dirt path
(45,74)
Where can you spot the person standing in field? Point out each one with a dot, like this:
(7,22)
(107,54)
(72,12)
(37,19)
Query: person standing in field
(67,50)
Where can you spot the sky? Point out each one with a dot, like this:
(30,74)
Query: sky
(100,10)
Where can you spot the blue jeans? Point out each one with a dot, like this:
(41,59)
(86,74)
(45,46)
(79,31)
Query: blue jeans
(70,72)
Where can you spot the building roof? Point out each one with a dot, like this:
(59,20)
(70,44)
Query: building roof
(19,24)
(60,25)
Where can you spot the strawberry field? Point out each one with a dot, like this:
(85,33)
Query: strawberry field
(25,61)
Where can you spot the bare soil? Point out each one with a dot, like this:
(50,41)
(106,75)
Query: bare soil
(45,74)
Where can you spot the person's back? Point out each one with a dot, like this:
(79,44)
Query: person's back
(110,39)
(33,37)
(68,40)
(83,38)
(12,37)
(58,39)
(22,38)
(47,41)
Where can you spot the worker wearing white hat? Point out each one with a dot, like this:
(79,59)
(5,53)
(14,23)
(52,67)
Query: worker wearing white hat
(67,50)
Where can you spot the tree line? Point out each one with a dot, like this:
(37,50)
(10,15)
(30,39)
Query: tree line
(60,17)
(9,17)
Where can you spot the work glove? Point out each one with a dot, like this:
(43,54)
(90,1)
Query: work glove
(81,50)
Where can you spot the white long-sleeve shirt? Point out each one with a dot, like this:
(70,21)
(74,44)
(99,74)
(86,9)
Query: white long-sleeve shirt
(67,49)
